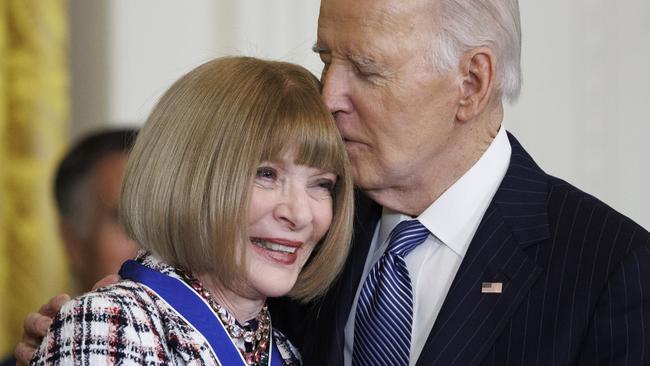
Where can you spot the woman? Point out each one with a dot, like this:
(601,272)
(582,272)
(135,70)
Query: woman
(237,189)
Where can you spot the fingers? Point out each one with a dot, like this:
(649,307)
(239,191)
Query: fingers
(54,305)
(23,353)
(108,280)
(35,327)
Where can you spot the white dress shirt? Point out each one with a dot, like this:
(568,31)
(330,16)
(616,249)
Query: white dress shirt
(452,220)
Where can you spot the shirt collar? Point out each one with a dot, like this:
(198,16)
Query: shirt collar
(455,215)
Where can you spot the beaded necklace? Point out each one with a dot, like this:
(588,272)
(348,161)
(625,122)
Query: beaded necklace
(252,338)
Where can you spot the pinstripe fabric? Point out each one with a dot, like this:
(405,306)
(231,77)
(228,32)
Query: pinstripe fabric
(382,328)
(560,254)
(575,274)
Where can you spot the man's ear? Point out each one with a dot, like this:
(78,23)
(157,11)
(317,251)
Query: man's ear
(73,244)
(477,67)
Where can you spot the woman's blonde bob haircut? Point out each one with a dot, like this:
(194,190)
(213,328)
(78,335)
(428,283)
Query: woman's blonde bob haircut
(188,182)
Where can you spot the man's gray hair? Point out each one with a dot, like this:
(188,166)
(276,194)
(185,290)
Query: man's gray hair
(461,25)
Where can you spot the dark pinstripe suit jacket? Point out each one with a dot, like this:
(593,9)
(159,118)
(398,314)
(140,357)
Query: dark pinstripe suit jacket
(575,274)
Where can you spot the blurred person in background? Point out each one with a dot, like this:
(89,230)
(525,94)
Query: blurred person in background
(87,191)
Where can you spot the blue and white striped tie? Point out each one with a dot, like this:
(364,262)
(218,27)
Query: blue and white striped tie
(382,326)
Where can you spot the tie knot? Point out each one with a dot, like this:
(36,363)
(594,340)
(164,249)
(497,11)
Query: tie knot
(406,236)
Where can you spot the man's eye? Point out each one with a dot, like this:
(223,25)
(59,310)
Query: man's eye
(363,73)
(325,57)
(266,172)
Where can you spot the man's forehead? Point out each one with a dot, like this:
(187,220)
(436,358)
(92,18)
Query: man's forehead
(368,17)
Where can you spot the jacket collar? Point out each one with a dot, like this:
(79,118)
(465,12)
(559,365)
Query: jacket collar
(470,320)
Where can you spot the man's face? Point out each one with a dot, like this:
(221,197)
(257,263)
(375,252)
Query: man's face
(395,112)
(106,245)
(111,243)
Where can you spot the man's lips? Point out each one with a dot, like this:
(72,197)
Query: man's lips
(351,143)
(349,138)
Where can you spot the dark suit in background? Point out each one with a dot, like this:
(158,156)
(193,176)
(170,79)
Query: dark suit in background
(11,361)
(575,274)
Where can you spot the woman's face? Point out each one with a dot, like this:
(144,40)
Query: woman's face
(290,211)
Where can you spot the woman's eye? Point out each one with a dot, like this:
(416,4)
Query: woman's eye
(266,172)
(327,184)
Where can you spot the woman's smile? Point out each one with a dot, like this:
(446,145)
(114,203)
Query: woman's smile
(277,250)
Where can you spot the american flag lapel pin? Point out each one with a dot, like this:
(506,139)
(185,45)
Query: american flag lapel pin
(491,287)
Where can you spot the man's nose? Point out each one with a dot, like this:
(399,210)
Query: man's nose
(294,209)
(336,90)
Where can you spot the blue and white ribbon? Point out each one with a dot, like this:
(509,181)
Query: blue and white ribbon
(193,308)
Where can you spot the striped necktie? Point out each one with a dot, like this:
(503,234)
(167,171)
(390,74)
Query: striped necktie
(382,326)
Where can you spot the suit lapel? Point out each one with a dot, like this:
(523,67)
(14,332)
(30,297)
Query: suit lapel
(335,308)
(366,221)
(469,320)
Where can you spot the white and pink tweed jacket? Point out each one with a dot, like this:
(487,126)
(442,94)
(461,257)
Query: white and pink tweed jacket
(127,324)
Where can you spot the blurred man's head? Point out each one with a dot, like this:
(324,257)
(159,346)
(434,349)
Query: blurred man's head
(87,190)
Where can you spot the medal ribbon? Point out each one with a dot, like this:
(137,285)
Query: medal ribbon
(195,310)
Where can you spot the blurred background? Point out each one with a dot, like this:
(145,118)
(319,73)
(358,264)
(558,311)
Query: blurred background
(69,68)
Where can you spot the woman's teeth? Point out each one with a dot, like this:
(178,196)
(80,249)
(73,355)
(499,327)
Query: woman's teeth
(273,246)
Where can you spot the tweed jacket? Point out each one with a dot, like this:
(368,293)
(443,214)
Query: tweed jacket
(128,324)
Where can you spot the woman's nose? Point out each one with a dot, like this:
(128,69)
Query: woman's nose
(294,209)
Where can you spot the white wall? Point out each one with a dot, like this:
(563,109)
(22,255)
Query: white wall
(125,53)
(584,112)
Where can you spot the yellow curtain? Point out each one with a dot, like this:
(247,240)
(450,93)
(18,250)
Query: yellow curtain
(33,128)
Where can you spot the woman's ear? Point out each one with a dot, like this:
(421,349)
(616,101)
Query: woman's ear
(477,67)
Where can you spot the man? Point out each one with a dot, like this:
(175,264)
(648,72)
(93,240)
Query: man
(87,190)
(519,268)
